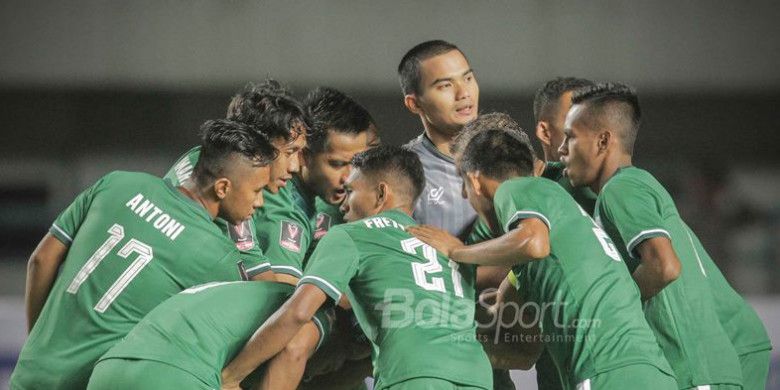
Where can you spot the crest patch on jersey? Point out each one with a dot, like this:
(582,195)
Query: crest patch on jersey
(241,234)
(322,225)
(290,236)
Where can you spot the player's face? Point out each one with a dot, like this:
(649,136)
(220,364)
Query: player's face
(557,124)
(287,163)
(329,169)
(481,203)
(449,96)
(245,193)
(360,200)
(580,150)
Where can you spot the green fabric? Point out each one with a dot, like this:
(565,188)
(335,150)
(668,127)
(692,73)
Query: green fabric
(427,384)
(244,235)
(634,377)
(755,369)
(131,374)
(415,306)
(701,324)
(290,224)
(220,316)
(591,317)
(145,242)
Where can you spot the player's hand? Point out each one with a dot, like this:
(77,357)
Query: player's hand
(440,239)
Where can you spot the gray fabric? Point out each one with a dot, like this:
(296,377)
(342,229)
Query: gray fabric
(441,203)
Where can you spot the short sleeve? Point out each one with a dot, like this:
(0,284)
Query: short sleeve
(284,238)
(333,264)
(69,221)
(634,211)
(524,198)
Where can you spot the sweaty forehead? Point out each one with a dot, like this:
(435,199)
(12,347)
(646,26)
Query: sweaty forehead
(446,65)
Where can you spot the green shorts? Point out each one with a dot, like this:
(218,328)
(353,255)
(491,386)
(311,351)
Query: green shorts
(755,369)
(427,383)
(635,377)
(134,374)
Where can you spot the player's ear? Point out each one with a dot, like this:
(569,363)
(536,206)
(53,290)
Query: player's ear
(410,101)
(603,140)
(543,133)
(474,181)
(382,191)
(221,187)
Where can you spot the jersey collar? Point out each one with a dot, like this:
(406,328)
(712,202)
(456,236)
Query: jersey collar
(428,144)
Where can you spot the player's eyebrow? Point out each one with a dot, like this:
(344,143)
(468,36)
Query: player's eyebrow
(439,80)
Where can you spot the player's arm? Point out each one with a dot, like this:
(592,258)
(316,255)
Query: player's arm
(511,344)
(528,241)
(267,276)
(274,334)
(41,272)
(659,266)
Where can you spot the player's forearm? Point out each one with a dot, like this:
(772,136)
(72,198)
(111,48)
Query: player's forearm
(41,273)
(267,341)
(519,246)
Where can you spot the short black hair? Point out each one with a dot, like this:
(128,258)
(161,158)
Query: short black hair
(497,154)
(331,110)
(484,122)
(221,140)
(391,163)
(546,97)
(616,103)
(271,108)
(409,67)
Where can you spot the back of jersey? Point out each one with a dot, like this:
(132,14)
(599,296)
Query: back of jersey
(133,242)
(416,306)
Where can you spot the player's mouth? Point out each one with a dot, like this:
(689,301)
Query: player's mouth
(466,111)
(338,195)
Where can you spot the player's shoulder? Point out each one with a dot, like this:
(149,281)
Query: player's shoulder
(415,144)
(630,179)
(127,178)
(528,186)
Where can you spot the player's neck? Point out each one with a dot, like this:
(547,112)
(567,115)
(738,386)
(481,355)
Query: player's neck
(190,190)
(611,166)
(440,139)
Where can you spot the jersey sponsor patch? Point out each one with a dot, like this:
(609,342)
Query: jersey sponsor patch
(290,236)
(241,234)
(434,195)
(322,225)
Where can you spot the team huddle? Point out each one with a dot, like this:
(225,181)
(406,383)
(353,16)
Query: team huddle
(291,249)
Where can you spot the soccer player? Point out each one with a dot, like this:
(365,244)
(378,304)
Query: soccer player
(709,334)
(567,268)
(271,109)
(416,306)
(299,215)
(129,242)
(159,353)
(440,87)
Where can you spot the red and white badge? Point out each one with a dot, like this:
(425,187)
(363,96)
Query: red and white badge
(290,236)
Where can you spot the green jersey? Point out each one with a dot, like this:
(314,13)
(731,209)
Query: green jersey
(290,224)
(700,322)
(133,241)
(219,316)
(242,234)
(415,306)
(590,313)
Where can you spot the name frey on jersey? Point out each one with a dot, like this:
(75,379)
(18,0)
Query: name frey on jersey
(161,221)
(382,222)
